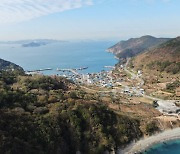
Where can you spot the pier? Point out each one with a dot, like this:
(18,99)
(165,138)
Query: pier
(68,70)
(111,67)
(39,70)
(73,70)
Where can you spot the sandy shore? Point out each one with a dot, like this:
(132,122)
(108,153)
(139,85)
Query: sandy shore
(145,143)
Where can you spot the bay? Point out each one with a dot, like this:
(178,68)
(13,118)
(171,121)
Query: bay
(89,54)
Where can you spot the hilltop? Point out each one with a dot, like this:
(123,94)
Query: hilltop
(6,65)
(134,46)
(161,68)
(165,57)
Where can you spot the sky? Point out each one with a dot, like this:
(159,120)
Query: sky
(88,19)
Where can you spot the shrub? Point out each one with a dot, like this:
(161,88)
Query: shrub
(167,66)
(151,127)
(45,83)
(173,86)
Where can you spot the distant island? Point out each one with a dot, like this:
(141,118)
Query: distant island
(33,43)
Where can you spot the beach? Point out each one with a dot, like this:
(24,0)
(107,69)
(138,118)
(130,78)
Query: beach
(146,143)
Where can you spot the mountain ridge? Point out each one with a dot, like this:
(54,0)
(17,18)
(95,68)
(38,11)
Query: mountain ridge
(134,46)
(166,52)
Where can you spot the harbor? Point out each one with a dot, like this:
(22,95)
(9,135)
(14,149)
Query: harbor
(102,79)
(120,80)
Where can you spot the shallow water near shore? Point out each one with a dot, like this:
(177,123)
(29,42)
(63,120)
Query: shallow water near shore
(89,54)
(168,147)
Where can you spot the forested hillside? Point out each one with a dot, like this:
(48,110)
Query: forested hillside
(41,114)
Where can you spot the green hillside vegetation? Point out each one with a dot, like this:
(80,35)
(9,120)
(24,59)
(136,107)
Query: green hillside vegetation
(41,114)
(172,43)
(164,58)
(167,66)
(172,86)
(160,66)
(6,65)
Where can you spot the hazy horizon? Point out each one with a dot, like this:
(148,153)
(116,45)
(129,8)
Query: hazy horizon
(82,40)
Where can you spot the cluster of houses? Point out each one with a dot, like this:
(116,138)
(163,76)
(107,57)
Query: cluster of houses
(102,79)
(133,91)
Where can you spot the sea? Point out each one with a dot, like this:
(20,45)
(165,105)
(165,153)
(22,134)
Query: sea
(63,55)
(168,147)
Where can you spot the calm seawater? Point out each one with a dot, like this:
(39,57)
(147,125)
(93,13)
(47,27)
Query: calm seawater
(89,54)
(171,147)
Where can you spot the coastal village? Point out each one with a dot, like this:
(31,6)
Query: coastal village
(121,88)
(117,80)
